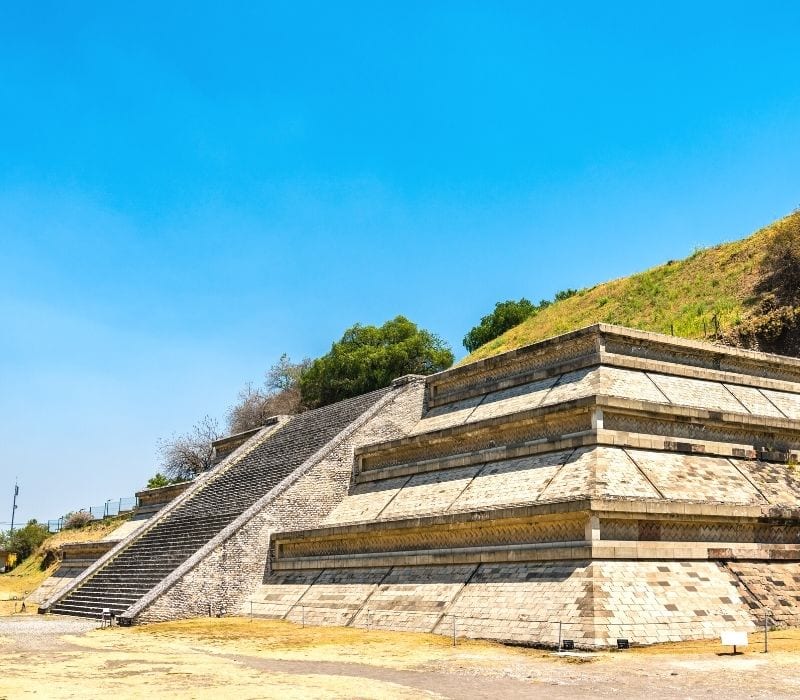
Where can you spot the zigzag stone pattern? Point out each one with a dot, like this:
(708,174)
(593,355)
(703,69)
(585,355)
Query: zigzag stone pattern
(148,559)
(604,484)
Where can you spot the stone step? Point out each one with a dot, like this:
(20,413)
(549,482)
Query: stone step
(156,553)
(86,610)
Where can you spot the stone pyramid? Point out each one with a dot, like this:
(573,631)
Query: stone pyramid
(604,484)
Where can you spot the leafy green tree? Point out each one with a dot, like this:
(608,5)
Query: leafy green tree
(158,481)
(565,294)
(506,315)
(25,540)
(370,357)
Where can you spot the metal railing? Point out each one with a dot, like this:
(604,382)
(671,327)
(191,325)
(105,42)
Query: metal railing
(112,507)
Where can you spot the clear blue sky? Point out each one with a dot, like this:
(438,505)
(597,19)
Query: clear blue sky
(187,190)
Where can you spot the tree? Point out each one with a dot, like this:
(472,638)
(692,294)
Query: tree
(185,456)
(370,357)
(280,394)
(285,375)
(25,540)
(505,316)
(565,294)
(158,481)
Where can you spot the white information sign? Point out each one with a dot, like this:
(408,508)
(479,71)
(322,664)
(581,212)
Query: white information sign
(734,639)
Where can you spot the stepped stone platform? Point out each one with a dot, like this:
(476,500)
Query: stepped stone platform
(76,557)
(204,551)
(604,484)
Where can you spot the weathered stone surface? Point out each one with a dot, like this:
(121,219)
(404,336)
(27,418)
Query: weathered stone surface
(696,477)
(511,482)
(771,588)
(787,403)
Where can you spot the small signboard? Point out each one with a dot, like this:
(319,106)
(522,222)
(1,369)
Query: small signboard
(734,639)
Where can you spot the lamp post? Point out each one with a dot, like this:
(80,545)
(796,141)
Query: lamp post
(14,507)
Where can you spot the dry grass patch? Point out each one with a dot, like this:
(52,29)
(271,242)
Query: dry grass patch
(286,640)
(779,641)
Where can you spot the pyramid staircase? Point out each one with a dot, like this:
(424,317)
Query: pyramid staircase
(145,559)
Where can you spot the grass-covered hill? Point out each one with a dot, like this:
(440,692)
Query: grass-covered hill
(745,293)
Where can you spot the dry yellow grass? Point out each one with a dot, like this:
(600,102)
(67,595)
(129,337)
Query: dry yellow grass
(286,640)
(779,641)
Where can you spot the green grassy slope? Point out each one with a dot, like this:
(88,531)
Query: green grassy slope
(707,295)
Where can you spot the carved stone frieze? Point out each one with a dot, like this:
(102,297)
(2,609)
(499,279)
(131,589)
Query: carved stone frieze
(474,534)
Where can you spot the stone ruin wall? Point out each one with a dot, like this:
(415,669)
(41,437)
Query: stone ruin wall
(222,574)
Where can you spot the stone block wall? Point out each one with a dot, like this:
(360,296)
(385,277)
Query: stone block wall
(591,602)
(774,586)
(224,572)
(651,386)
(588,472)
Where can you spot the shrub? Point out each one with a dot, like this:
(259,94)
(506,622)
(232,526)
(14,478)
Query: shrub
(77,519)
(781,267)
(505,316)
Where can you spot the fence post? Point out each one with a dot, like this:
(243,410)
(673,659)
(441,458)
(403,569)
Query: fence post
(559,635)
(251,611)
(454,630)
(766,646)
(303,616)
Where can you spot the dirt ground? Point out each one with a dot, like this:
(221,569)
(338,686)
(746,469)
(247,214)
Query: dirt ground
(56,657)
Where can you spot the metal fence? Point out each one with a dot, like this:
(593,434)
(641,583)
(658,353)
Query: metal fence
(109,509)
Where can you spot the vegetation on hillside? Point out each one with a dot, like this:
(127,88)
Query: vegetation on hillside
(185,456)
(278,395)
(743,293)
(42,562)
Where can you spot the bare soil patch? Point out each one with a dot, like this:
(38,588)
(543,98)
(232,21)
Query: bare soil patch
(67,658)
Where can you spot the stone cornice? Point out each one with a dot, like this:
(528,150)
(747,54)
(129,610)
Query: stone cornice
(591,420)
(605,507)
(613,345)
(598,528)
